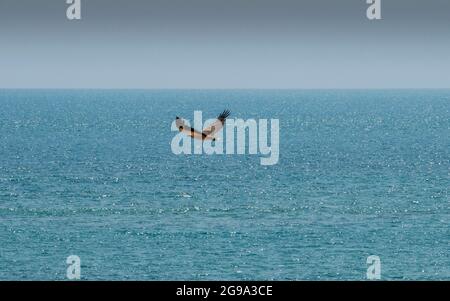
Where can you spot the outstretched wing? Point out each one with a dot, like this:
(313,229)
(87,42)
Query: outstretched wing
(217,125)
(182,127)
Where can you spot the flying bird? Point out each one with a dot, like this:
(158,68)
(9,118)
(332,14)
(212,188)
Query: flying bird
(208,132)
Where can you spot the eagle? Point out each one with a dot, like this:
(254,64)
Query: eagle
(208,132)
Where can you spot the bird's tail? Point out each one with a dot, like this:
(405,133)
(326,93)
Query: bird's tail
(224,115)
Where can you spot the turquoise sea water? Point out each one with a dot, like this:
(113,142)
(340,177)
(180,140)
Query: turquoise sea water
(91,173)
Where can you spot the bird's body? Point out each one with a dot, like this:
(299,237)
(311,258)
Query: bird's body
(207,133)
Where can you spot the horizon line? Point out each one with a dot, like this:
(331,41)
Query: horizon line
(224,89)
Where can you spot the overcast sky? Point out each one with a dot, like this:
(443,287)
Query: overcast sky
(225,44)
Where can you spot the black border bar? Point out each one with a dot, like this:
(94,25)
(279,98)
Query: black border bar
(224,289)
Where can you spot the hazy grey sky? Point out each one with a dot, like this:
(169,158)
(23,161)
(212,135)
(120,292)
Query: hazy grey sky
(225,44)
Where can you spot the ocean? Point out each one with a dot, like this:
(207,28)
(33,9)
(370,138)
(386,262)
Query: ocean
(91,173)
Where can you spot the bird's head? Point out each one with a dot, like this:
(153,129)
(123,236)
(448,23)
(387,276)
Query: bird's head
(177,117)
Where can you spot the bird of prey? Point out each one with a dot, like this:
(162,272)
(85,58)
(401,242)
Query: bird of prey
(208,132)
